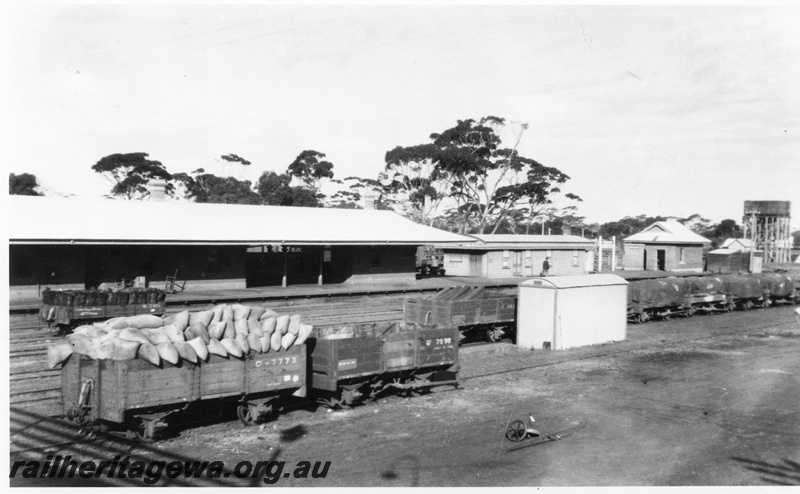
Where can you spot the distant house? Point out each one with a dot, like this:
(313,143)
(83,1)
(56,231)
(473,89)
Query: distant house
(665,246)
(738,244)
(75,243)
(500,256)
(737,255)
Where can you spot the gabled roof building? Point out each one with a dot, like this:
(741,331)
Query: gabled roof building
(500,256)
(665,246)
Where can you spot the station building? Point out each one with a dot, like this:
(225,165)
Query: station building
(77,243)
(502,256)
(666,246)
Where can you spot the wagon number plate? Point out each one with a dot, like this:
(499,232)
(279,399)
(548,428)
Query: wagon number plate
(350,363)
(439,341)
(276,361)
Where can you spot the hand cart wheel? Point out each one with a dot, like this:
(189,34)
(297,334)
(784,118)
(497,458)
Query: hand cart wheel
(516,431)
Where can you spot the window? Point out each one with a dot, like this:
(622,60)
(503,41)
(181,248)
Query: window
(455,257)
(527,258)
(683,255)
(574,258)
(506,264)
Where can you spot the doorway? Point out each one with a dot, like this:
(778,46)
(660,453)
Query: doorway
(517,263)
(662,259)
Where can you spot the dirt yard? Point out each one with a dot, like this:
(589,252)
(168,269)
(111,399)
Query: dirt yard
(708,400)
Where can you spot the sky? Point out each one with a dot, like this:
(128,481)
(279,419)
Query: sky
(657,109)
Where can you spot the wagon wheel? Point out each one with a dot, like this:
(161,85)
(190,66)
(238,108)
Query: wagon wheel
(244,412)
(350,397)
(516,431)
(494,334)
(139,428)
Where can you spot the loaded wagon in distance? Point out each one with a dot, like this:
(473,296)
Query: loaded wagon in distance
(475,313)
(68,307)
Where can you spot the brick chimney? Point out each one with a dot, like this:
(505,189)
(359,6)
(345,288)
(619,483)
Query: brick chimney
(157,187)
(369,201)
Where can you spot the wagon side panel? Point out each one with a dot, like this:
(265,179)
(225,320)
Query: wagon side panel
(418,311)
(143,385)
(336,359)
(400,351)
(222,376)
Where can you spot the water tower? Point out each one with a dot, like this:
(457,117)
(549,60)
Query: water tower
(767,224)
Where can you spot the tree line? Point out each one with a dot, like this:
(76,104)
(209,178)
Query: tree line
(469,178)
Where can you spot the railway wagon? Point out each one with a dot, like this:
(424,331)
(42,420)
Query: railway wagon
(68,307)
(467,308)
(667,297)
(350,363)
(782,287)
(136,396)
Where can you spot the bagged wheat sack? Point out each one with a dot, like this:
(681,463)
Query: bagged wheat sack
(168,352)
(232,347)
(148,353)
(58,352)
(186,351)
(200,348)
(216,348)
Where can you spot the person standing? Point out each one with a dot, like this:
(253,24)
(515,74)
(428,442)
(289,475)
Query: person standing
(546,266)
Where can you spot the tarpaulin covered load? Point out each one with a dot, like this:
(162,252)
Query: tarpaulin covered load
(90,298)
(746,287)
(779,285)
(703,285)
(656,293)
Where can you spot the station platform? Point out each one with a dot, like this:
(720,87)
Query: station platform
(433,284)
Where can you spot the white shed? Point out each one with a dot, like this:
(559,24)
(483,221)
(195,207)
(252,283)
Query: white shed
(563,312)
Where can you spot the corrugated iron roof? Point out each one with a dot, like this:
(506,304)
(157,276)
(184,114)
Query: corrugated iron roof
(528,239)
(576,281)
(738,244)
(58,220)
(486,242)
(521,246)
(667,232)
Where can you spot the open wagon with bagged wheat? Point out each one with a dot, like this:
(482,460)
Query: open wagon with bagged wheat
(130,374)
(350,363)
